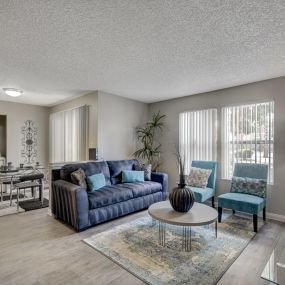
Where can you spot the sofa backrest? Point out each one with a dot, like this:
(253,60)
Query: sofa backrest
(117,166)
(89,168)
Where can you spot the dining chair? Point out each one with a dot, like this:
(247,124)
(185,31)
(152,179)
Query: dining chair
(32,181)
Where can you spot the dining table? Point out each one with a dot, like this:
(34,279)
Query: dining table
(12,175)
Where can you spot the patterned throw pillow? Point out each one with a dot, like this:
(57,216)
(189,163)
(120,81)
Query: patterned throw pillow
(78,177)
(198,177)
(250,186)
(147,170)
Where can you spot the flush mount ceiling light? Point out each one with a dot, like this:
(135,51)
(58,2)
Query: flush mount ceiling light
(13,92)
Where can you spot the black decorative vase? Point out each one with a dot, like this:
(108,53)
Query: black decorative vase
(182,197)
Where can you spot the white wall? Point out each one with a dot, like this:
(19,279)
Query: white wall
(117,119)
(17,114)
(273,89)
(91,100)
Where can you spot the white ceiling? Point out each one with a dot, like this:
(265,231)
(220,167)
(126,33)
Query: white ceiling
(141,49)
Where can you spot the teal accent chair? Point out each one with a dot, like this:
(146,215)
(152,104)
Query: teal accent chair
(203,194)
(242,202)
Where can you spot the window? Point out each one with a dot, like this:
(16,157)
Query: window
(247,136)
(198,136)
(69,135)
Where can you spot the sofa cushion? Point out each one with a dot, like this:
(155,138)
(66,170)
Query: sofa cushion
(146,168)
(78,178)
(89,168)
(202,194)
(129,176)
(117,166)
(241,202)
(96,182)
(140,189)
(109,195)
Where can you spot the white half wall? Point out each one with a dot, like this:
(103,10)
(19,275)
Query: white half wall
(17,114)
(273,89)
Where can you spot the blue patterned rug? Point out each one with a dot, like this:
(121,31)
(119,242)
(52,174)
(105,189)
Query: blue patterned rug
(134,246)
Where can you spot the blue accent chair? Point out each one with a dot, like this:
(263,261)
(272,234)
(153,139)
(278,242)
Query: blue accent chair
(203,194)
(247,203)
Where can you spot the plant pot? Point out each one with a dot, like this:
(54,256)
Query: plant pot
(182,198)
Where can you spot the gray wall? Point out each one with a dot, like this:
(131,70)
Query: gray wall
(17,114)
(117,119)
(112,122)
(273,89)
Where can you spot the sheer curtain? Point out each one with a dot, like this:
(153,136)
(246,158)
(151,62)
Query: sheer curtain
(247,136)
(198,136)
(69,135)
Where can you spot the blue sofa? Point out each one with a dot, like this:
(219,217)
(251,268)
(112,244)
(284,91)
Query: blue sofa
(82,209)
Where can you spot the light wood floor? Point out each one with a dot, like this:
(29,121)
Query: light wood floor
(37,249)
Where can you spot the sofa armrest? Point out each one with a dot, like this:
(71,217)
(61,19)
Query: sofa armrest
(161,178)
(70,204)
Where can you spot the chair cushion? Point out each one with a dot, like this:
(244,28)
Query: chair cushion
(117,166)
(198,177)
(250,186)
(140,189)
(241,202)
(202,194)
(109,195)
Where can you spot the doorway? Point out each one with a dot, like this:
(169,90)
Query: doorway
(3,139)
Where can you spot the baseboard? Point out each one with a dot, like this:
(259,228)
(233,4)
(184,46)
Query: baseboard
(276,217)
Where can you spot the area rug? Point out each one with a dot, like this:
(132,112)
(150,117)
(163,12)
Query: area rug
(134,246)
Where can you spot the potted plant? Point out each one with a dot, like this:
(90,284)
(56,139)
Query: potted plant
(181,197)
(148,135)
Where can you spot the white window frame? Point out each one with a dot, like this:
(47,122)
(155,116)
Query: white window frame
(251,140)
(198,135)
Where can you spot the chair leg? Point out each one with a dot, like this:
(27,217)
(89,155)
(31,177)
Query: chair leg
(213,202)
(220,212)
(18,190)
(1,192)
(255,223)
(264,214)
(11,195)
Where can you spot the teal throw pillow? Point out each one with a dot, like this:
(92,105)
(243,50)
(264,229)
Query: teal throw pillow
(96,181)
(250,186)
(129,176)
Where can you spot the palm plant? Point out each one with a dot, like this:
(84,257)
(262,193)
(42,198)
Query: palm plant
(148,135)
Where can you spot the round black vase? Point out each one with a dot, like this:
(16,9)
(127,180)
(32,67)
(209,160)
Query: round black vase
(182,198)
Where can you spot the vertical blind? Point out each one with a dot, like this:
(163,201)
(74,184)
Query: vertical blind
(198,136)
(247,136)
(69,135)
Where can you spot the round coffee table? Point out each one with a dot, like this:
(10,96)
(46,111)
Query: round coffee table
(199,215)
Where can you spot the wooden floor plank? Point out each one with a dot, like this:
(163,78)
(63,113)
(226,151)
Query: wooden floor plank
(37,249)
